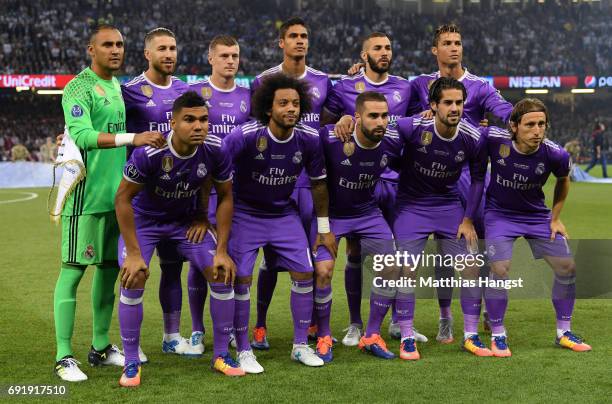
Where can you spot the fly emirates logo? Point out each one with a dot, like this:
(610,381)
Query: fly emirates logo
(275,176)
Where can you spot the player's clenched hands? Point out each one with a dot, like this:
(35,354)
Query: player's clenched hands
(344,128)
(197,230)
(223,261)
(130,268)
(328,240)
(556,226)
(154,139)
(467,231)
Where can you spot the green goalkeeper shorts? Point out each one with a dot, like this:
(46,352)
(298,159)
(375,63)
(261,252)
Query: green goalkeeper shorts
(89,239)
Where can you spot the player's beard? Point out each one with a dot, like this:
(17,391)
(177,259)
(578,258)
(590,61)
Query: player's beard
(446,121)
(280,122)
(375,68)
(159,67)
(369,133)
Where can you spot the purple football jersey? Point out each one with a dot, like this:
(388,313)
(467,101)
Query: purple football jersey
(266,169)
(342,99)
(320,87)
(431,165)
(353,170)
(516,178)
(149,106)
(171,181)
(228,108)
(482,97)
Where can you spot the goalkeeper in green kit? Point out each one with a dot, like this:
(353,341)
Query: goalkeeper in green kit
(95,121)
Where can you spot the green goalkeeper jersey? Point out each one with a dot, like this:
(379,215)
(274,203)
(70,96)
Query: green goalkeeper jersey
(91,106)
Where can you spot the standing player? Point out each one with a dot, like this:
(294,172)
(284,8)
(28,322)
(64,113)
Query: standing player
(294,41)
(377,57)
(521,162)
(482,98)
(353,169)
(230,106)
(156,201)
(95,120)
(435,151)
(269,154)
(148,105)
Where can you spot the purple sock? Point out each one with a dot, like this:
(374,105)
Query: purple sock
(445,294)
(404,307)
(171,295)
(496,301)
(222,315)
(197,290)
(352,284)
(563,298)
(322,309)
(379,306)
(266,283)
(130,321)
(242,307)
(301,309)
(471,304)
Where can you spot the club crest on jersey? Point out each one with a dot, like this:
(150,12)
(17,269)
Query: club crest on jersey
(315,91)
(206,92)
(243,107)
(460,156)
(98,88)
(360,86)
(426,138)
(262,143)
(348,148)
(539,169)
(89,252)
(297,157)
(76,111)
(397,97)
(202,170)
(167,164)
(147,90)
(504,151)
(384,161)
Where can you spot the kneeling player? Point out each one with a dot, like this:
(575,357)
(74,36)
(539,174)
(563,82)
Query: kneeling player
(268,156)
(521,162)
(155,203)
(353,170)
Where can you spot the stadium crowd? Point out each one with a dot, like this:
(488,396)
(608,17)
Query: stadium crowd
(45,36)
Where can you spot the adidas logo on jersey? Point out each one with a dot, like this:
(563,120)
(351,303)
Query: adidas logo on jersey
(346,162)
(501,162)
(422,150)
(151,104)
(259,157)
(165,177)
(106,101)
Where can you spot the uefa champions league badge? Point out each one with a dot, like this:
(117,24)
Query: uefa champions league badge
(202,170)
(76,111)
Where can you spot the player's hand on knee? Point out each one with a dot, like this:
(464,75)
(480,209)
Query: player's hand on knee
(354,69)
(59,139)
(557,226)
(467,231)
(427,114)
(132,269)
(344,128)
(328,240)
(153,139)
(197,231)
(222,261)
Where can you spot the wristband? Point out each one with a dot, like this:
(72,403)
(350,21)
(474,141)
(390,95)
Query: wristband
(122,139)
(323,225)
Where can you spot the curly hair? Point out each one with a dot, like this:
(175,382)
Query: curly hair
(263,98)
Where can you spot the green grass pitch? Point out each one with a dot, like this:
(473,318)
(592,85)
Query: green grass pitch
(538,371)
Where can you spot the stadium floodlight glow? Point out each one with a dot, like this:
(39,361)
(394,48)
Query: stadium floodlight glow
(50,92)
(22,88)
(536,91)
(583,90)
